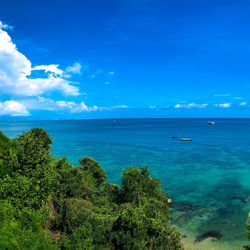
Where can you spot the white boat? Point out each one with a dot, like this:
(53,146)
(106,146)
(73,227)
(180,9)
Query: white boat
(186,139)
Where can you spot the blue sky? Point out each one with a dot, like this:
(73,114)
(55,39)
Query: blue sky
(124,58)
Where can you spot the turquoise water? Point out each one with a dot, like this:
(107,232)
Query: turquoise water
(208,178)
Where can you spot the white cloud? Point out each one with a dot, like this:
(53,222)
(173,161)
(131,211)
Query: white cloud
(13,108)
(53,68)
(75,107)
(118,107)
(191,105)
(238,98)
(223,105)
(42,103)
(96,73)
(243,104)
(111,73)
(5,26)
(15,71)
(222,94)
(75,68)
(106,83)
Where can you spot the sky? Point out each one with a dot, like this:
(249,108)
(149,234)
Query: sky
(124,59)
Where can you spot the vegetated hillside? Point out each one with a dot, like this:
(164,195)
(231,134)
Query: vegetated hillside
(46,203)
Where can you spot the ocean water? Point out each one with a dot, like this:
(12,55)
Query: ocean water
(208,178)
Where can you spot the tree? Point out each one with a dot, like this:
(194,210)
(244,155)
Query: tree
(138,228)
(7,155)
(72,182)
(137,183)
(30,182)
(92,167)
(34,152)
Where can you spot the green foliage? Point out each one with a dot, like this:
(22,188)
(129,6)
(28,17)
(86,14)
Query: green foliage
(143,226)
(137,183)
(248,231)
(81,238)
(47,203)
(248,226)
(111,192)
(73,183)
(92,167)
(7,146)
(29,184)
(33,152)
(77,212)
(22,191)
(22,231)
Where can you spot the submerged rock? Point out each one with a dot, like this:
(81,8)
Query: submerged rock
(213,234)
(247,200)
(244,200)
(183,206)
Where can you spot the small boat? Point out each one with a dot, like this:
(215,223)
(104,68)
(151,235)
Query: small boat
(210,123)
(186,139)
(170,201)
(174,137)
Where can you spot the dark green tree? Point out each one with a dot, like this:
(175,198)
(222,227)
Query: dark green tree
(7,155)
(34,152)
(144,219)
(137,183)
(92,167)
(31,181)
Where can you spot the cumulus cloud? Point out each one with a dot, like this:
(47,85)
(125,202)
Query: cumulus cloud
(53,68)
(76,107)
(223,105)
(15,73)
(190,105)
(42,103)
(28,83)
(111,73)
(243,104)
(13,108)
(75,68)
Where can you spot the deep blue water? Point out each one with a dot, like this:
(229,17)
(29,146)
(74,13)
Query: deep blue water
(211,173)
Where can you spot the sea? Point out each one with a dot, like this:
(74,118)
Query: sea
(208,178)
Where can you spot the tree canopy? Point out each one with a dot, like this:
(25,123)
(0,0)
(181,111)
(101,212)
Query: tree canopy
(47,203)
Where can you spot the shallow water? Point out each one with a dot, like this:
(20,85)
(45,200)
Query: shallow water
(208,178)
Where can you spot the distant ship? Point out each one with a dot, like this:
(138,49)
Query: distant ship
(211,123)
